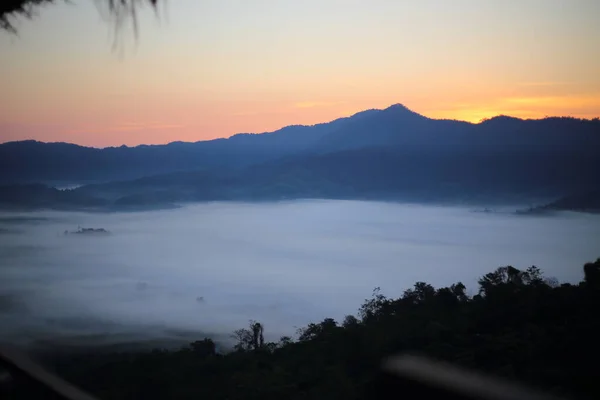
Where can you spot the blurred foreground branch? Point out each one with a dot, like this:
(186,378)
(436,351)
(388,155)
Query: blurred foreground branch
(401,376)
(118,11)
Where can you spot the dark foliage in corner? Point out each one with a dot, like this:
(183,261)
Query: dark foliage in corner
(10,8)
(119,9)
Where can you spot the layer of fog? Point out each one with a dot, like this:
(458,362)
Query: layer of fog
(207,269)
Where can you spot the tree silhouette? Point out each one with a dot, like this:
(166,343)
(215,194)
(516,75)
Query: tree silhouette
(203,348)
(250,339)
(258,340)
(592,274)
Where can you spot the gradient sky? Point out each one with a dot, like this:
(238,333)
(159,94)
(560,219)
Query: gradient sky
(212,68)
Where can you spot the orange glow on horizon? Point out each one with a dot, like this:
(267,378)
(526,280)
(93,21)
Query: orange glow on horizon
(216,122)
(586,107)
(218,68)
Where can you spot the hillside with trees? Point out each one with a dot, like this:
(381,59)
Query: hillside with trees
(520,326)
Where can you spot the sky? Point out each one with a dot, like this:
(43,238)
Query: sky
(204,69)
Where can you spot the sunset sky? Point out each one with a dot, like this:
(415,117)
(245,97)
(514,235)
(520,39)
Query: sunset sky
(211,68)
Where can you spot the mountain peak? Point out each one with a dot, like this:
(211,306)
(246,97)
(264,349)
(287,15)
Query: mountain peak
(503,117)
(401,108)
(398,106)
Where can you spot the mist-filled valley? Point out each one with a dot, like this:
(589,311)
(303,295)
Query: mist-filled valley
(174,276)
(265,200)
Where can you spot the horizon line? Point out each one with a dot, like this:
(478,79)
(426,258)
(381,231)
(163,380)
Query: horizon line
(395,105)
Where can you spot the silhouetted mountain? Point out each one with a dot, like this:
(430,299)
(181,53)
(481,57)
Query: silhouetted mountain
(404,173)
(435,172)
(31,161)
(391,154)
(397,125)
(394,125)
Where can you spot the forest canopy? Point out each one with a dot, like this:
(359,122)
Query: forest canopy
(520,325)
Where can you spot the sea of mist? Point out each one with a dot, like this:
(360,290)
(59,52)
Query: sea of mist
(207,269)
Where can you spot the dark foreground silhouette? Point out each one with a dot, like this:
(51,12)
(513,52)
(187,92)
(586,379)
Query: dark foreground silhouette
(520,326)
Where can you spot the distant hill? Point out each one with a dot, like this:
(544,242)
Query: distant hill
(583,202)
(31,161)
(407,173)
(38,196)
(393,154)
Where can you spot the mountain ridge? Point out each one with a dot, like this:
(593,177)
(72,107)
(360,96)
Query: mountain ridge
(390,107)
(393,153)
